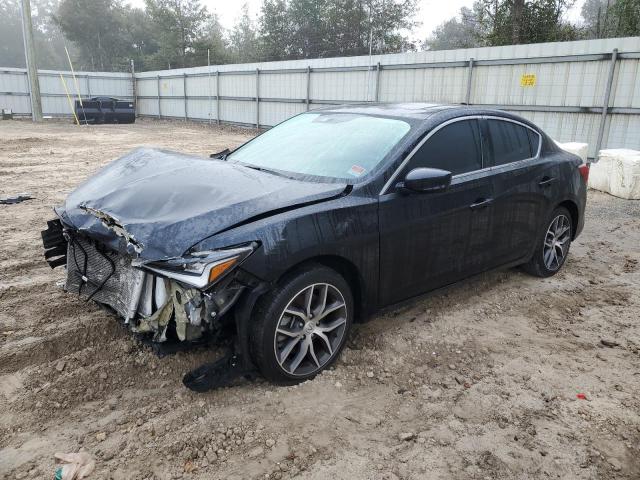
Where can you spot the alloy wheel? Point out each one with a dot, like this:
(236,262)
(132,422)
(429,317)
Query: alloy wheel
(310,329)
(556,242)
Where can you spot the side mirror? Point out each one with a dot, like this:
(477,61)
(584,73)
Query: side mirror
(221,155)
(424,180)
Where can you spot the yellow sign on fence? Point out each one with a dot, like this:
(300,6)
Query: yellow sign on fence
(528,80)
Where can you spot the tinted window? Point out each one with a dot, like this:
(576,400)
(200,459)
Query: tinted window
(510,142)
(456,148)
(534,141)
(337,145)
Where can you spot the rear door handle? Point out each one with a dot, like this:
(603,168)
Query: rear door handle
(546,181)
(481,203)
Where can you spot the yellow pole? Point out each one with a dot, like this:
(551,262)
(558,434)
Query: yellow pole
(73,110)
(75,80)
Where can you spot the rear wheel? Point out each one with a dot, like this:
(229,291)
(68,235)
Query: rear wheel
(301,327)
(553,245)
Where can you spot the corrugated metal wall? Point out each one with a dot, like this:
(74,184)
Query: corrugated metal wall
(14,89)
(566,100)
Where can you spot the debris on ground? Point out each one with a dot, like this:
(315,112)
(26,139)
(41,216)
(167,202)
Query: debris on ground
(21,197)
(75,466)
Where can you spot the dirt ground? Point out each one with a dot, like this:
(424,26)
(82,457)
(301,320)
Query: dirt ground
(477,381)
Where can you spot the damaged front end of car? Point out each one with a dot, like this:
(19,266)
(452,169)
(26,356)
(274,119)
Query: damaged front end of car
(144,237)
(183,300)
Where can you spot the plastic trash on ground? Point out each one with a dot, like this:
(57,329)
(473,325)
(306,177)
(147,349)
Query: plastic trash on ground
(576,148)
(74,466)
(617,172)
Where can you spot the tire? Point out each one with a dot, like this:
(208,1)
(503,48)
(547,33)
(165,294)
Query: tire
(543,263)
(303,345)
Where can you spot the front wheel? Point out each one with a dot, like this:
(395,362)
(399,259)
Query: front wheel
(301,326)
(553,245)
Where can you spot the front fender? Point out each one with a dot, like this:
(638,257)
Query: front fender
(346,228)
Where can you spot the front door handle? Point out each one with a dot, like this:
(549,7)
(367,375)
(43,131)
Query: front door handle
(481,203)
(546,181)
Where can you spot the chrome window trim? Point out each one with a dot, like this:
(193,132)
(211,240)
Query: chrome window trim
(459,176)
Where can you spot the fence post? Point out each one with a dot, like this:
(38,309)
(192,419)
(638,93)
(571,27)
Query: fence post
(469,81)
(377,91)
(184,94)
(218,97)
(605,102)
(308,86)
(209,85)
(88,86)
(159,112)
(134,88)
(257,98)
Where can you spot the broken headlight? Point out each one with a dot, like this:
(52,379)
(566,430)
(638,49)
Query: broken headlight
(201,269)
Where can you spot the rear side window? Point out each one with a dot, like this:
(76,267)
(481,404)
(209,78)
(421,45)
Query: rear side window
(534,141)
(456,148)
(511,142)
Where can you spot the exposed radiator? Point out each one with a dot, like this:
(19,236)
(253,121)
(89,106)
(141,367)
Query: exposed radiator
(104,276)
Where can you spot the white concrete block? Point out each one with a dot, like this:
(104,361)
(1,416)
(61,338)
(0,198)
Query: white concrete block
(617,172)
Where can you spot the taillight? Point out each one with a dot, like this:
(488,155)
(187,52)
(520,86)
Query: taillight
(584,171)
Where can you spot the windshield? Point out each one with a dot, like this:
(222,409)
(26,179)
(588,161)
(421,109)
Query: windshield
(337,145)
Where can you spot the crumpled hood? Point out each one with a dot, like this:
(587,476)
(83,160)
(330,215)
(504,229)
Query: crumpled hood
(157,204)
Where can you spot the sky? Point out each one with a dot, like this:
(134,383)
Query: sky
(431,12)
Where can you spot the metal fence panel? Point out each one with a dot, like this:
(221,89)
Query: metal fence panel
(241,112)
(147,106)
(560,86)
(565,127)
(147,87)
(292,85)
(238,85)
(627,85)
(624,131)
(14,91)
(274,113)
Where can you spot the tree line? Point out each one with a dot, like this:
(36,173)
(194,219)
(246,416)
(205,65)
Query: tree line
(104,35)
(511,22)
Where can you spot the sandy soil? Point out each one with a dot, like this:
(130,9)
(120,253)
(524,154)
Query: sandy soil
(477,381)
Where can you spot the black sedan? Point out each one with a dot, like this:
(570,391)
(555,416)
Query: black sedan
(316,224)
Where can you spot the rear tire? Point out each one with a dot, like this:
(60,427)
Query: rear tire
(552,247)
(300,327)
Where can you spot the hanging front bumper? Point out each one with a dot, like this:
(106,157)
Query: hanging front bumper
(147,303)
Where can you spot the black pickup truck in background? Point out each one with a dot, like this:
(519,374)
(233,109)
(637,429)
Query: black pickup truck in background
(105,110)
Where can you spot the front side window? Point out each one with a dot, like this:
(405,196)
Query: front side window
(336,145)
(456,148)
(511,142)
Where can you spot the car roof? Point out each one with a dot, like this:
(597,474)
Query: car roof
(420,111)
(417,110)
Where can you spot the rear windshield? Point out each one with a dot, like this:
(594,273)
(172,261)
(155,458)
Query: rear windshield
(336,145)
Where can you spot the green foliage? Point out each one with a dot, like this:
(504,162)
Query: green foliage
(48,39)
(626,17)
(184,30)
(611,18)
(96,28)
(244,42)
(106,34)
(466,32)
(506,22)
(322,28)
(166,34)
